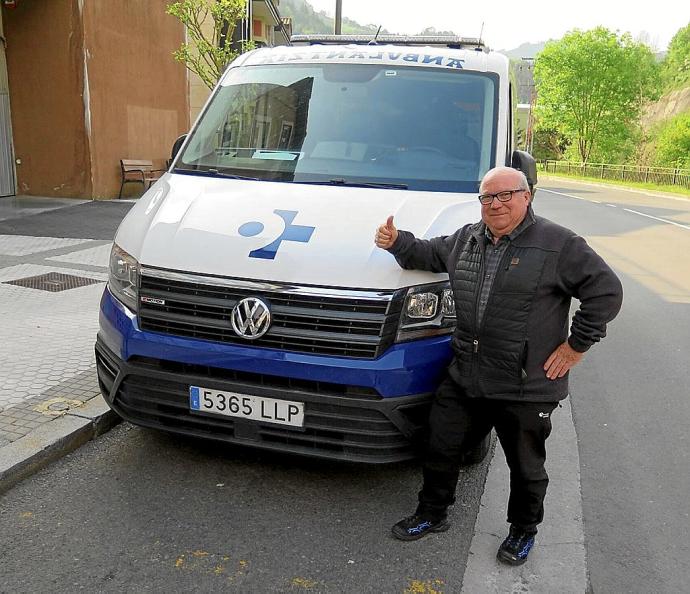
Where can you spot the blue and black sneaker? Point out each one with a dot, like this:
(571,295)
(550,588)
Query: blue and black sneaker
(416,526)
(515,548)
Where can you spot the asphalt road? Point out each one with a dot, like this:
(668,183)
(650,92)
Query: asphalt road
(137,510)
(630,395)
(143,511)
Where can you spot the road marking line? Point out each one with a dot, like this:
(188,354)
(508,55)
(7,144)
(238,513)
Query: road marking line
(562,194)
(642,214)
(570,196)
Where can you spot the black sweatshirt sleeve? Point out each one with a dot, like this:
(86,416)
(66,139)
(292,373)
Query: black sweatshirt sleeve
(423,254)
(584,275)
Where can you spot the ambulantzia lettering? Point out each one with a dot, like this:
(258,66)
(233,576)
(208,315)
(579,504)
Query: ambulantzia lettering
(299,233)
(446,61)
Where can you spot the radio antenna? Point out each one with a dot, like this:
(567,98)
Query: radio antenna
(481,32)
(373,41)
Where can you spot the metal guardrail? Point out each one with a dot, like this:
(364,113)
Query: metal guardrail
(653,175)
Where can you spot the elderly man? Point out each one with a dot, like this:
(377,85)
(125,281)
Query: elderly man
(513,275)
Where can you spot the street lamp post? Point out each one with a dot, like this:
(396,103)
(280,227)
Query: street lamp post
(338,16)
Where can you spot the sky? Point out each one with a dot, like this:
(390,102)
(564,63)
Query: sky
(508,24)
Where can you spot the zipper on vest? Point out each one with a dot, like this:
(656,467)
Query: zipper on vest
(480,279)
(475,344)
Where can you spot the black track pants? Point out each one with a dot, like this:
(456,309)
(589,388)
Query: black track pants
(458,423)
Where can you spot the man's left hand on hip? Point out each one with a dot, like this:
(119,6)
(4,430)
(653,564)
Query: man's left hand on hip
(561,361)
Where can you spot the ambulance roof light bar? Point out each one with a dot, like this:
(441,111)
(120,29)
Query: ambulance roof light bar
(451,41)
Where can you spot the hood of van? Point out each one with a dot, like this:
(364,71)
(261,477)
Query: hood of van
(281,232)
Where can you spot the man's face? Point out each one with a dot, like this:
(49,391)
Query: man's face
(502,217)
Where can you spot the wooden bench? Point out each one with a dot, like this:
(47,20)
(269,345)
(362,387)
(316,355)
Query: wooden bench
(139,171)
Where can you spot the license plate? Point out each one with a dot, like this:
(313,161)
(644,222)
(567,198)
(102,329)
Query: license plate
(257,408)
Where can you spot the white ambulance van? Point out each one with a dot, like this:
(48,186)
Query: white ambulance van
(246,300)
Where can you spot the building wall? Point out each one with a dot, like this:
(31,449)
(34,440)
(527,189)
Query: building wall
(138,94)
(46,80)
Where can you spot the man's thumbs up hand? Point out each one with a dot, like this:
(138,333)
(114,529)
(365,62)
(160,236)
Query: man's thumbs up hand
(386,234)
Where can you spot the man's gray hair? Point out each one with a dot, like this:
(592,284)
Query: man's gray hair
(523,183)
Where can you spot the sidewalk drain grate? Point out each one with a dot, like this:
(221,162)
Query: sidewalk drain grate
(53,282)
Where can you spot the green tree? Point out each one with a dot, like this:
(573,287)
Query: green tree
(676,65)
(673,143)
(210,25)
(548,144)
(591,86)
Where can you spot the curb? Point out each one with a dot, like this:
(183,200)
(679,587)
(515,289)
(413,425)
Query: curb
(50,442)
(558,562)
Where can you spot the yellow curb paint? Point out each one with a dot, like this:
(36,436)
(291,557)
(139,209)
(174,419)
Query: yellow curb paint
(434,586)
(304,583)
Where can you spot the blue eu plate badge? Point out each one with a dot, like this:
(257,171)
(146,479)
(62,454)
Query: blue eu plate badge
(194,398)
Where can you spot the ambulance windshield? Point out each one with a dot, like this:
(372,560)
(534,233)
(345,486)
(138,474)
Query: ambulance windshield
(421,128)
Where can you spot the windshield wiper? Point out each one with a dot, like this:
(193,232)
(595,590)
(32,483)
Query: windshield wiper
(355,184)
(215,173)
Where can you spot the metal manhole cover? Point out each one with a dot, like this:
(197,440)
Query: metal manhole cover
(53,282)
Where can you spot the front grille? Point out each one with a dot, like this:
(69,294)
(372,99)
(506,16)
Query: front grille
(331,428)
(253,380)
(340,422)
(107,371)
(347,326)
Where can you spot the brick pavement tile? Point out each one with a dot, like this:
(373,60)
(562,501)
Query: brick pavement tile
(97,256)
(18,421)
(32,424)
(47,347)
(12,435)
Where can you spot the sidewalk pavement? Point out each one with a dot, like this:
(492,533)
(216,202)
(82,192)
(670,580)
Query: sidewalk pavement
(53,267)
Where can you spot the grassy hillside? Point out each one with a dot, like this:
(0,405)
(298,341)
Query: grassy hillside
(305,20)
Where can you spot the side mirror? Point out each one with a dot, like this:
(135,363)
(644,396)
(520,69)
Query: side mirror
(525,162)
(176,146)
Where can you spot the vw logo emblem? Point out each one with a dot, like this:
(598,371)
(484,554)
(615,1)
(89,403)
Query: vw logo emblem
(250,318)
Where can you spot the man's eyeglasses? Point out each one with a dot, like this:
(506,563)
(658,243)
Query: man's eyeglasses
(502,196)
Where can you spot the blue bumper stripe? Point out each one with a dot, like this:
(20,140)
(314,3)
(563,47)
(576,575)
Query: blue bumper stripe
(408,368)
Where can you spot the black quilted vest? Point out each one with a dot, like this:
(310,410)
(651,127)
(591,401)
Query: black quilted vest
(490,359)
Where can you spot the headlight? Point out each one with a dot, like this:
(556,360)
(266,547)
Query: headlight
(422,306)
(123,277)
(428,310)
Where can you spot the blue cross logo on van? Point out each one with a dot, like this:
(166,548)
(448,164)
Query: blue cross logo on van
(300,233)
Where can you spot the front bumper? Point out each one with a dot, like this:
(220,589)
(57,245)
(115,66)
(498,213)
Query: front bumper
(356,410)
